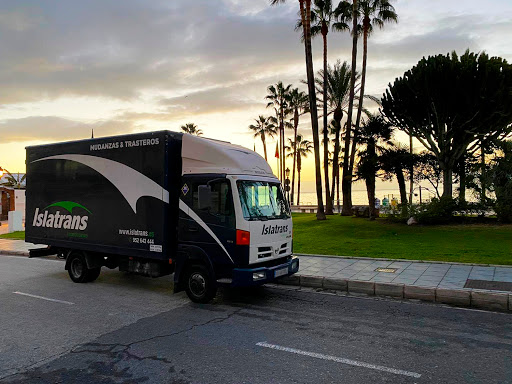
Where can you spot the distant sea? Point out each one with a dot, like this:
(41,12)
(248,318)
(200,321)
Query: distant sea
(359,195)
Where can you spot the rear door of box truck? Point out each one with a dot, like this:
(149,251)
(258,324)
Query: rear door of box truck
(114,195)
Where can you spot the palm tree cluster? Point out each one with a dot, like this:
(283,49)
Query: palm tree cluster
(334,87)
(288,104)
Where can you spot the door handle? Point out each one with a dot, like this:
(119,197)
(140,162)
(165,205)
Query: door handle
(193,229)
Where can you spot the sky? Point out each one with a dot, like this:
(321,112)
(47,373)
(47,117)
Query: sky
(117,67)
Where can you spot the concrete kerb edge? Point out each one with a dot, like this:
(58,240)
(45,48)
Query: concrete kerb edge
(455,297)
(402,260)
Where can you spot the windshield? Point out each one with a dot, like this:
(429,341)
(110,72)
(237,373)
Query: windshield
(262,200)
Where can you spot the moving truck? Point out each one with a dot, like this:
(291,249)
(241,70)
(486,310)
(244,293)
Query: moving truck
(158,203)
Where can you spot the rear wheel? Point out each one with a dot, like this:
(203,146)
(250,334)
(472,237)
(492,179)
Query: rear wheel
(200,285)
(78,271)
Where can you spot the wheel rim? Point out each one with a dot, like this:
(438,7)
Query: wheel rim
(77,268)
(197,284)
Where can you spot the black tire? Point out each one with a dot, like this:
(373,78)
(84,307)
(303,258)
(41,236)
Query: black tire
(93,274)
(199,284)
(77,267)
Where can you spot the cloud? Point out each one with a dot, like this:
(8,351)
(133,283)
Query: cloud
(50,128)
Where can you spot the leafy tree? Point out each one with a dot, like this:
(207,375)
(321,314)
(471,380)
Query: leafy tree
(452,104)
(305,12)
(192,129)
(263,128)
(299,103)
(277,97)
(375,132)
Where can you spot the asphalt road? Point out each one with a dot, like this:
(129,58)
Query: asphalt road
(130,329)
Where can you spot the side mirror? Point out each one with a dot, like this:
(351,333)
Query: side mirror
(204,197)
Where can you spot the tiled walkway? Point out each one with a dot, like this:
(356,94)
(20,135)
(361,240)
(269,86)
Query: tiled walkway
(423,274)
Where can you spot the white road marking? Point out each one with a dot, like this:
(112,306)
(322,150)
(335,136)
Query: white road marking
(44,298)
(340,360)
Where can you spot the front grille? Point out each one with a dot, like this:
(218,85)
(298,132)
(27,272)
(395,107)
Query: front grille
(284,249)
(264,252)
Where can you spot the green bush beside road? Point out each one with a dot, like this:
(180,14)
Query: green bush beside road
(347,236)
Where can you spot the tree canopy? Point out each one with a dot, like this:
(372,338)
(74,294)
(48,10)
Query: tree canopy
(452,104)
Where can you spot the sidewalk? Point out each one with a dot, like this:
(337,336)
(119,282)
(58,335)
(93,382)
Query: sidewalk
(486,287)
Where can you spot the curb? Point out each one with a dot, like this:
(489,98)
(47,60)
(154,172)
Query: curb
(494,301)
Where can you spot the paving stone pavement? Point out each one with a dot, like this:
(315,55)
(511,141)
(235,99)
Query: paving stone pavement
(420,274)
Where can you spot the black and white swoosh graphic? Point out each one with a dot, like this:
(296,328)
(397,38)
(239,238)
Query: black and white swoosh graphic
(132,184)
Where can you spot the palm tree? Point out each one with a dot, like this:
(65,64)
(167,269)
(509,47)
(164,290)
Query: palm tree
(278,99)
(305,12)
(302,147)
(298,102)
(12,181)
(192,129)
(263,128)
(344,12)
(373,13)
(338,89)
(375,131)
(322,15)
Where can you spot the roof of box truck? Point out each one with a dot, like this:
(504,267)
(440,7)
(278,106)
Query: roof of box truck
(201,155)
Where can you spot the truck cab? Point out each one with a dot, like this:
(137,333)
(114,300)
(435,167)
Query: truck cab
(234,220)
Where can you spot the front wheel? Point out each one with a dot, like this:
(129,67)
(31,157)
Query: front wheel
(200,285)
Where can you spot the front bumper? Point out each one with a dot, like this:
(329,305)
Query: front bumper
(244,277)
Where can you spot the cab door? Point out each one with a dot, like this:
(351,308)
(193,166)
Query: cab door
(212,227)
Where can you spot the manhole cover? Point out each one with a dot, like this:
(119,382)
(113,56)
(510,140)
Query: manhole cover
(490,285)
(386,270)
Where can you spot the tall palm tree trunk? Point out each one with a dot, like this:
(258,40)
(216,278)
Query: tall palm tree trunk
(462,178)
(264,146)
(482,172)
(370,190)
(335,159)
(401,186)
(320,214)
(346,183)
(411,172)
(366,24)
(283,157)
(328,200)
(295,126)
(370,180)
(298,181)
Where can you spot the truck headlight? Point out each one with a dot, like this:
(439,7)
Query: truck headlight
(258,276)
